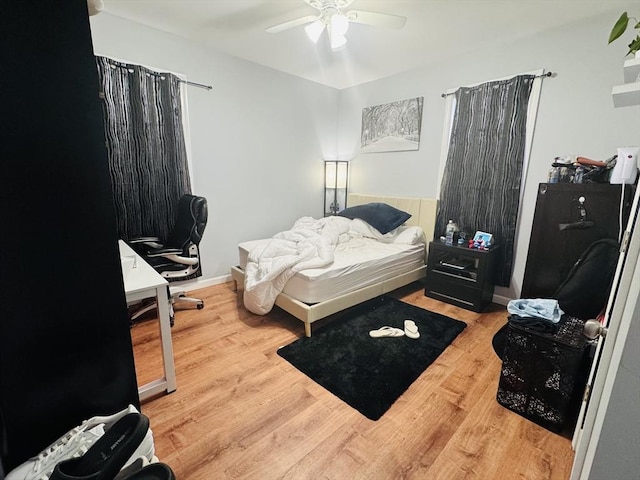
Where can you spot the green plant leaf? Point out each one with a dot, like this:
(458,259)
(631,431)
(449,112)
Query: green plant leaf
(634,46)
(619,28)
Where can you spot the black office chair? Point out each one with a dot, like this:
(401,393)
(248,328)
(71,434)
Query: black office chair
(178,257)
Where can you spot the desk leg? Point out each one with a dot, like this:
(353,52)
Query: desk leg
(168,382)
(164,318)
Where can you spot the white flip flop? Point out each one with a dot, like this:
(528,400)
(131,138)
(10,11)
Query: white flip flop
(411,329)
(386,332)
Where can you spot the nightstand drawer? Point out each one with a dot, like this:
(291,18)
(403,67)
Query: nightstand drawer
(456,293)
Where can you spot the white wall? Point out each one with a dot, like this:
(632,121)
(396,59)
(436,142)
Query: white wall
(257,139)
(575,115)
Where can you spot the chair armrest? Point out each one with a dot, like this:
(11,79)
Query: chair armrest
(173,254)
(153,242)
(144,239)
(163,252)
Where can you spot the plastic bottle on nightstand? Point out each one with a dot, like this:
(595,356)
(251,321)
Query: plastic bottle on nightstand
(450,232)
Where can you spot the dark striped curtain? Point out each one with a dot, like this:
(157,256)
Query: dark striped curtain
(480,188)
(146,146)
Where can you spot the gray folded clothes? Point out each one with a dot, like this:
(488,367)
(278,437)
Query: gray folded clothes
(534,323)
(541,308)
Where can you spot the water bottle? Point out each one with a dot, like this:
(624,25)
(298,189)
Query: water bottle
(450,232)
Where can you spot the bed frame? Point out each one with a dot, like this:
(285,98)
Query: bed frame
(423,214)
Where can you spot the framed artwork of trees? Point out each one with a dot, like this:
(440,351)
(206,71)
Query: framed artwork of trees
(392,127)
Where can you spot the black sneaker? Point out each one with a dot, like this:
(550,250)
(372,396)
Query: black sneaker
(153,471)
(108,454)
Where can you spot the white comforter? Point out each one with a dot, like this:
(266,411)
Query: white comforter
(309,244)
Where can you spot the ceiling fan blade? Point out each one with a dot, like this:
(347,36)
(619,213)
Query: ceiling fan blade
(376,19)
(292,23)
(320,4)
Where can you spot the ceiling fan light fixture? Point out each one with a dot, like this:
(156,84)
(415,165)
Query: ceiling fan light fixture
(339,24)
(314,30)
(335,19)
(337,41)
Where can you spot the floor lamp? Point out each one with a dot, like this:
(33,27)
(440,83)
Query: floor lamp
(336,174)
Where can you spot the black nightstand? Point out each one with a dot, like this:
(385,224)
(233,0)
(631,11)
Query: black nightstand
(460,275)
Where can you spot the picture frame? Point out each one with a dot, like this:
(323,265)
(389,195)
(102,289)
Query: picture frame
(484,237)
(392,127)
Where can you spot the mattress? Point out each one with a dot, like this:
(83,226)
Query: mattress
(357,263)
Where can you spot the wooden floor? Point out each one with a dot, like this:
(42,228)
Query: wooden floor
(241,411)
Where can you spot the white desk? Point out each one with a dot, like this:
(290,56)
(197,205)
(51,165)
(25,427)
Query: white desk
(143,282)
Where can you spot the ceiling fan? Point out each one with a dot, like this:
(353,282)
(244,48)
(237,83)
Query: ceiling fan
(336,21)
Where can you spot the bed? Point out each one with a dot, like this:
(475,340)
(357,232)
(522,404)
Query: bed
(316,293)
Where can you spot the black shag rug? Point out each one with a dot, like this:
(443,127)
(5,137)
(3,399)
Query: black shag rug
(369,373)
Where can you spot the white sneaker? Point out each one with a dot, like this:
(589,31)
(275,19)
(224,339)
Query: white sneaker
(75,443)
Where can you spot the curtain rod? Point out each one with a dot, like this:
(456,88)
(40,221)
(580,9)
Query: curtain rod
(194,84)
(116,64)
(548,74)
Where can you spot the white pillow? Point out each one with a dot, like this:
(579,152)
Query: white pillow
(407,235)
(360,227)
(410,235)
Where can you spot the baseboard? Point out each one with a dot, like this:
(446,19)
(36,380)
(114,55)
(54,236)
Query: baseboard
(501,300)
(198,283)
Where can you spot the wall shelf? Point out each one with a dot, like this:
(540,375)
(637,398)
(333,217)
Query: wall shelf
(631,70)
(628,94)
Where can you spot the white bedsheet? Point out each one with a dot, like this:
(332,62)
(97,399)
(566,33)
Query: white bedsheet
(309,244)
(321,259)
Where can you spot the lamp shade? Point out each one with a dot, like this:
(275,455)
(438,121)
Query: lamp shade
(341,175)
(339,24)
(314,30)
(330,174)
(338,42)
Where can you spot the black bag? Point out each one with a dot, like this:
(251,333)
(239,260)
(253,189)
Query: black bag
(585,291)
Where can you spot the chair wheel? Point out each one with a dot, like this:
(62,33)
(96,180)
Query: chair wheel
(200,306)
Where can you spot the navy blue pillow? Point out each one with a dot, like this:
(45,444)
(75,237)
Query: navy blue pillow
(380,216)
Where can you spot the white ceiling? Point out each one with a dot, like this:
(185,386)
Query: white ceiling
(435,30)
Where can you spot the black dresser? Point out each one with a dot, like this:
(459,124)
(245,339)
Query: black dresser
(568,218)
